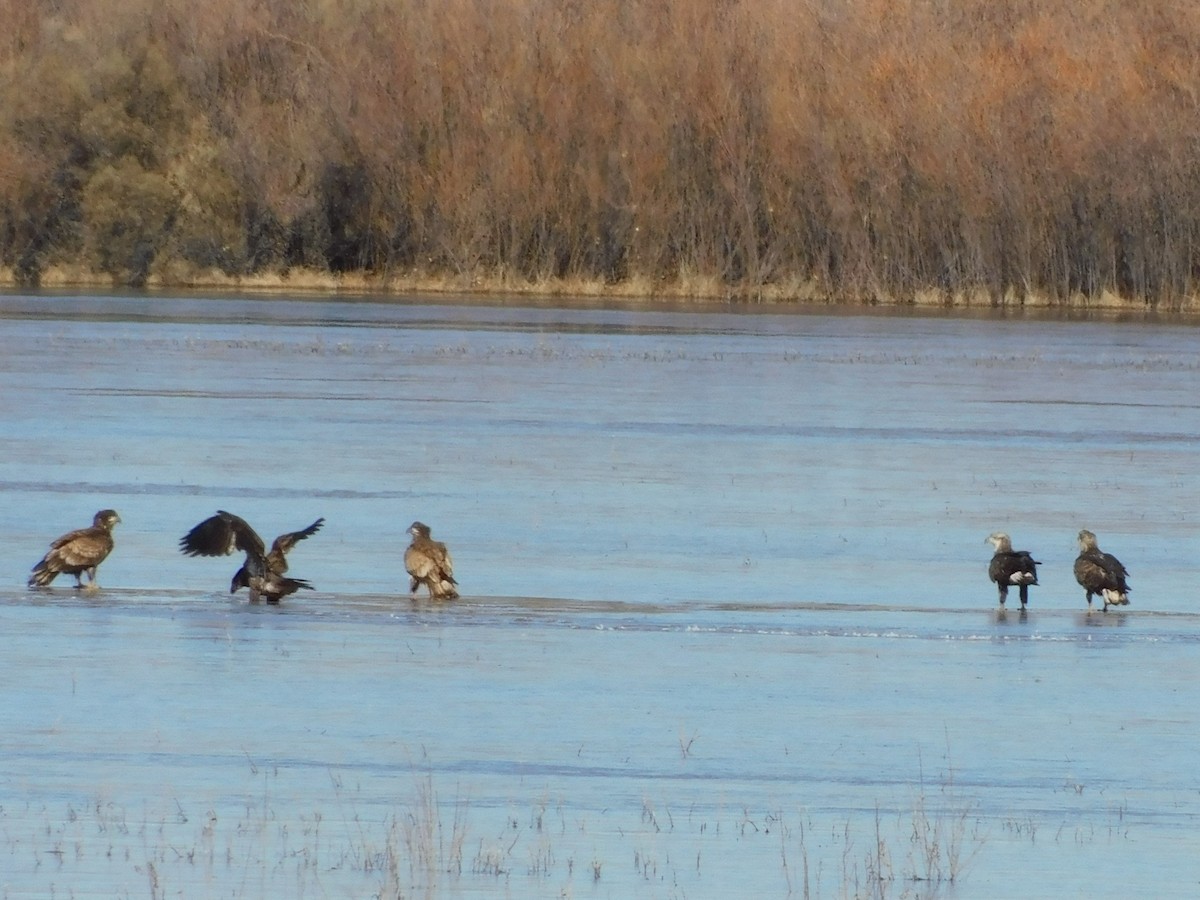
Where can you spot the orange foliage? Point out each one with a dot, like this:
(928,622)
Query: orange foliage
(883,146)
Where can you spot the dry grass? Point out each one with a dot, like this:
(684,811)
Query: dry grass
(422,847)
(687,289)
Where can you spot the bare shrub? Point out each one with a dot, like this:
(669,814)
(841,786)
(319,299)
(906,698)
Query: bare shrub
(881,151)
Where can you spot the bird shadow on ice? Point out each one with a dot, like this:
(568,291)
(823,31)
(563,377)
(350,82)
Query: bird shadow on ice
(1095,618)
(1012,617)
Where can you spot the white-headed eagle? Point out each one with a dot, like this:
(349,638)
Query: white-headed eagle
(1011,567)
(262,572)
(428,563)
(1100,573)
(77,552)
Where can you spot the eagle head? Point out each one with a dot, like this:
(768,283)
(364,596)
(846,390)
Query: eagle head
(106,518)
(999,540)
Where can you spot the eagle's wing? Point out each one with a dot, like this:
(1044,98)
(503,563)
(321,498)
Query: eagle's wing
(83,547)
(419,562)
(429,559)
(285,542)
(1091,574)
(1028,565)
(1013,567)
(999,568)
(1117,571)
(69,537)
(220,535)
(445,563)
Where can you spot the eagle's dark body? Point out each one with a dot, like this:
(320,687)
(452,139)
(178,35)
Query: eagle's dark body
(1100,573)
(428,563)
(78,552)
(1011,567)
(263,572)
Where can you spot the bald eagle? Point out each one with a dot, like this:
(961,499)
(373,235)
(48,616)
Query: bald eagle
(1100,573)
(1011,567)
(262,572)
(77,552)
(428,562)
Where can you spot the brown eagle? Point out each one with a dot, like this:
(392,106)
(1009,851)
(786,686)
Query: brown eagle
(1011,567)
(1100,573)
(77,552)
(262,572)
(428,563)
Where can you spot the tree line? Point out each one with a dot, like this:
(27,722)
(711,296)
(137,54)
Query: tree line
(858,150)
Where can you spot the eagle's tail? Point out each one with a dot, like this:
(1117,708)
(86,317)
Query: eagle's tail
(1116,597)
(282,587)
(446,589)
(42,574)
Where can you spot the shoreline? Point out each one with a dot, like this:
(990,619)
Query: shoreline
(693,291)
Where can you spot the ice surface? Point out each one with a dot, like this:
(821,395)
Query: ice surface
(725,612)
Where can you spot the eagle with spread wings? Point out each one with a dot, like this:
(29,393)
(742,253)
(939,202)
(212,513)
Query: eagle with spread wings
(428,563)
(78,552)
(263,572)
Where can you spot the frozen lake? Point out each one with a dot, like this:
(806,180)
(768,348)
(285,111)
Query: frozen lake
(726,627)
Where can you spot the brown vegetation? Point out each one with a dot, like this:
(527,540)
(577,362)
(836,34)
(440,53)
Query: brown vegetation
(868,150)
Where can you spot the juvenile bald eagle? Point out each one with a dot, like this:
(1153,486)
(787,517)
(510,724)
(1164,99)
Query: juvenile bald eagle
(428,562)
(1011,567)
(1100,573)
(262,572)
(77,552)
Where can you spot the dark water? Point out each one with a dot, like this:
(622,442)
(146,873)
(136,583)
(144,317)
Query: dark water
(726,626)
